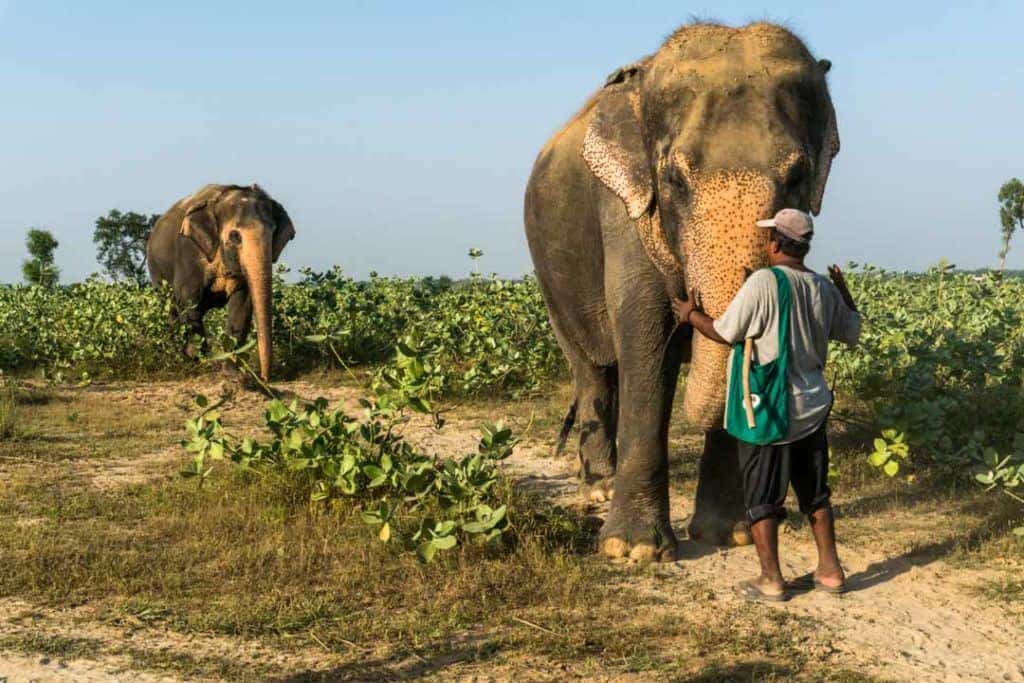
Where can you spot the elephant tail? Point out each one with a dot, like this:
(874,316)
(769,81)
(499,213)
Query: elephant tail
(567,423)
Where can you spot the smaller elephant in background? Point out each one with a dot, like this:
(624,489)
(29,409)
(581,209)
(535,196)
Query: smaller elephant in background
(216,248)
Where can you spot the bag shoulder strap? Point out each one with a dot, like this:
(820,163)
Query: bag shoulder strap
(785,306)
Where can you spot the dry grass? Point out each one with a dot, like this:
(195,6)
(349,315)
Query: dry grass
(247,560)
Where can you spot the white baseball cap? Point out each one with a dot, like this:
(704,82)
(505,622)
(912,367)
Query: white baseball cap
(793,223)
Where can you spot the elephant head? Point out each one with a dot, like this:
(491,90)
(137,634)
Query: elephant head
(719,128)
(241,231)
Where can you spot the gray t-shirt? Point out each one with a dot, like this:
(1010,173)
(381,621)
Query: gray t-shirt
(818,314)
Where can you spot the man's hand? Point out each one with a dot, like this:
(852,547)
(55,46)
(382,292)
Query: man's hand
(839,280)
(683,309)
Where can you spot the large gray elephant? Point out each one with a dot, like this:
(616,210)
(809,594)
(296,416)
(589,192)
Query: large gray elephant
(653,188)
(216,248)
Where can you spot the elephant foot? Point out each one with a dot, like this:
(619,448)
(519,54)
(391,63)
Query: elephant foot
(638,540)
(599,491)
(741,535)
(720,532)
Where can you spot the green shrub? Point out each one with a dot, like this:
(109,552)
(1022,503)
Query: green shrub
(415,500)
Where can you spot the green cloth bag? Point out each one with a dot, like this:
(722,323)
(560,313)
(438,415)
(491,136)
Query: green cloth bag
(769,386)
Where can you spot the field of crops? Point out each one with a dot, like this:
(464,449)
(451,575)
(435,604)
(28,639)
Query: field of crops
(941,359)
(491,334)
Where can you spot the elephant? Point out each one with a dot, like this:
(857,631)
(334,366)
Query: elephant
(215,248)
(650,191)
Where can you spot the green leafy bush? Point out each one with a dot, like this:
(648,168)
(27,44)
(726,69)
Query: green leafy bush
(415,501)
(490,335)
(91,327)
(939,372)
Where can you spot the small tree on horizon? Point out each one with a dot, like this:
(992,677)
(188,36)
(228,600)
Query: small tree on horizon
(40,269)
(120,239)
(1011,214)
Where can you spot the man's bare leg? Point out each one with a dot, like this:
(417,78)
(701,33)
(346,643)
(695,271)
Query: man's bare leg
(829,572)
(766,541)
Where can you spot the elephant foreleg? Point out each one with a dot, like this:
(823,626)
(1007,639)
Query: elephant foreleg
(718,510)
(239,316)
(638,523)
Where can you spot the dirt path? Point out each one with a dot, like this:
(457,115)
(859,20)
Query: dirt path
(906,617)
(909,616)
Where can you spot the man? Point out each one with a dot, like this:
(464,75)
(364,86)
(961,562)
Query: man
(819,311)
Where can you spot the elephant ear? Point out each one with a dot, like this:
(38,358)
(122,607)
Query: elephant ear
(829,150)
(614,151)
(613,145)
(200,226)
(284,231)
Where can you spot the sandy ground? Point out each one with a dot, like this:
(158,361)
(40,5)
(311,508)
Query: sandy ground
(908,617)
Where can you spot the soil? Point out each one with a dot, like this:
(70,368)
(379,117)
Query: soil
(910,614)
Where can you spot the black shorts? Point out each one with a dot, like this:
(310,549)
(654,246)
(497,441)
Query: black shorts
(767,472)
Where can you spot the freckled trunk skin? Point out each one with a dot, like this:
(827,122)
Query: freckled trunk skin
(255,260)
(722,246)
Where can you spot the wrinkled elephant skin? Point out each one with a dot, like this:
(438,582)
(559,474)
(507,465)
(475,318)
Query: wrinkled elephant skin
(654,187)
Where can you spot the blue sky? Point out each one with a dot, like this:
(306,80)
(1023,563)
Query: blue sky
(399,135)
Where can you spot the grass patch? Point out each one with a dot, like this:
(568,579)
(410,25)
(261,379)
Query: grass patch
(8,410)
(52,646)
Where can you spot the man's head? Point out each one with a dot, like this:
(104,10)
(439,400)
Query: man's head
(791,233)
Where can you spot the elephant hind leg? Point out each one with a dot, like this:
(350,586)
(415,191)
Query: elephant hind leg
(595,409)
(567,425)
(196,345)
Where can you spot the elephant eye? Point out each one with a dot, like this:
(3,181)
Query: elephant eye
(235,237)
(795,176)
(677,181)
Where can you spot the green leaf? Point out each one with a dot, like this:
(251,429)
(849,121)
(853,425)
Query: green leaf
(216,450)
(877,459)
(426,551)
(891,468)
(444,542)
(375,474)
(371,516)
(420,405)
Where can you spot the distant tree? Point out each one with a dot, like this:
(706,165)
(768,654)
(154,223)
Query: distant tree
(120,239)
(475,254)
(40,269)
(1011,214)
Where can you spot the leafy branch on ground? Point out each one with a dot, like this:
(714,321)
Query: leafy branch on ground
(415,501)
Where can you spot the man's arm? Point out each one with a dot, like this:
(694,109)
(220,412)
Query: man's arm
(846,321)
(705,324)
(839,280)
(689,312)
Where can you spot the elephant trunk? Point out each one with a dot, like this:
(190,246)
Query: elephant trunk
(722,245)
(256,264)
